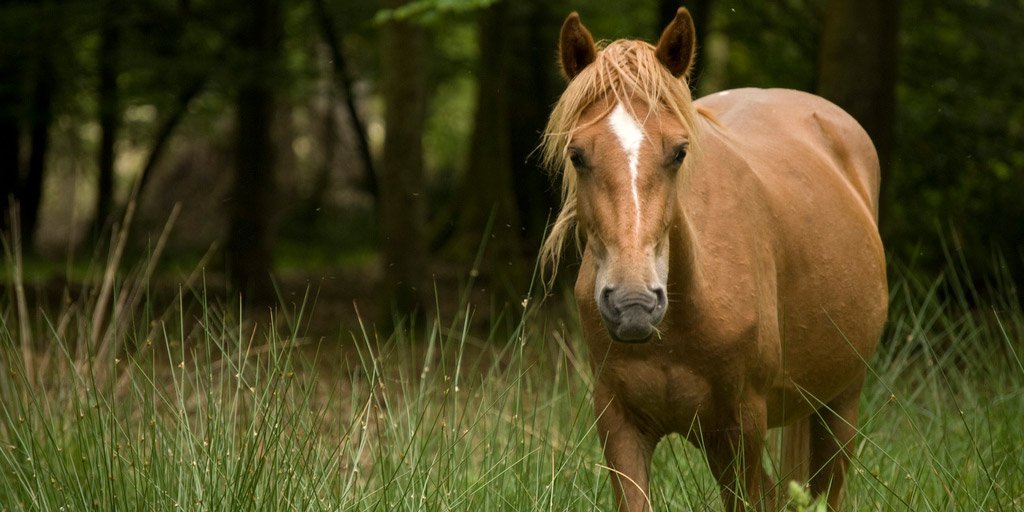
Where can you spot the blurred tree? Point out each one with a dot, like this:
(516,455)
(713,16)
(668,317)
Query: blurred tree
(166,129)
(170,71)
(31,193)
(27,89)
(344,80)
(109,107)
(249,234)
(401,207)
(532,27)
(11,97)
(504,194)
(857,65)
(485,198)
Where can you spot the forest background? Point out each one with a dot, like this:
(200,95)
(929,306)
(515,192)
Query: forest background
(337,165)
(383,151)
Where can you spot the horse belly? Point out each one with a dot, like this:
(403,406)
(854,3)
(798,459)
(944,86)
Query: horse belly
(831,322)
(832,293)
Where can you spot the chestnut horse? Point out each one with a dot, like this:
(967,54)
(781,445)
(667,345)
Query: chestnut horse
(733,279)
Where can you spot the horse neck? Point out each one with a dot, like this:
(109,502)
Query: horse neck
(684,274)
(685,253)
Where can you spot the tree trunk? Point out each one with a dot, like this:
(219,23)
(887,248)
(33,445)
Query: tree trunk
(249,237)
(401,207)
(857,65)
(109,113)
(42,114)
(534,26)
(487,211)
(701,12)
(10,139)
(328,134)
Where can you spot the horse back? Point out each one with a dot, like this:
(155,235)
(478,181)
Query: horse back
(774,123)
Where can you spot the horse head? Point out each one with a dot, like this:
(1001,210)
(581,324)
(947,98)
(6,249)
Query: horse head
(621,132)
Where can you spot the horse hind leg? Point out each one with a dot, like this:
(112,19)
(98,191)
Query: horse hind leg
(832,431)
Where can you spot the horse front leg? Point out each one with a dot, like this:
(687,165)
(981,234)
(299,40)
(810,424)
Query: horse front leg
(734,457)
(627,451)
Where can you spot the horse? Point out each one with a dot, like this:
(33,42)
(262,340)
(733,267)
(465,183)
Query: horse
(732,277)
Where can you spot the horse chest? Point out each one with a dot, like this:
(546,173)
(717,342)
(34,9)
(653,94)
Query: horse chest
(660,392)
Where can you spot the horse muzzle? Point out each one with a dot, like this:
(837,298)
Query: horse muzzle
(631,315)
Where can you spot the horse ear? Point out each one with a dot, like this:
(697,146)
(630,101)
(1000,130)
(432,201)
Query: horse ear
(676,47)
(576,48)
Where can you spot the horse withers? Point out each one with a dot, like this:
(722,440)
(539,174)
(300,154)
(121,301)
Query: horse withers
(733,279)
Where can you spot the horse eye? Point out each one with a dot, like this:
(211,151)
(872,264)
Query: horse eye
(577,159)
(680,154)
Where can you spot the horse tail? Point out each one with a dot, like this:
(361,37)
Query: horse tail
(796,452)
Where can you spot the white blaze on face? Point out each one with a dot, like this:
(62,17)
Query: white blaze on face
(630,135)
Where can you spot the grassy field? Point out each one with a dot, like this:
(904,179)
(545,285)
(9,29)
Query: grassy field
(111,403)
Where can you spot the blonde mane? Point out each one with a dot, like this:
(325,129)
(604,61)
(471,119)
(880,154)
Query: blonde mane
(627,71)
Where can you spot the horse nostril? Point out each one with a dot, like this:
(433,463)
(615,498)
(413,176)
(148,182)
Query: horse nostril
(660,300)
(606,304)
(606,296)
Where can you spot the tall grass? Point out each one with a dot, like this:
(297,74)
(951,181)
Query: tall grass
(112,402)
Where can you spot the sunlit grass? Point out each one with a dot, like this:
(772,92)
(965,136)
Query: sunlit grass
(196,407)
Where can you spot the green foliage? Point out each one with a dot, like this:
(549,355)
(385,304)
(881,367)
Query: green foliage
(770,44)
(430,11)
(959,162)
(449,129)
(801,500)
(606,20)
